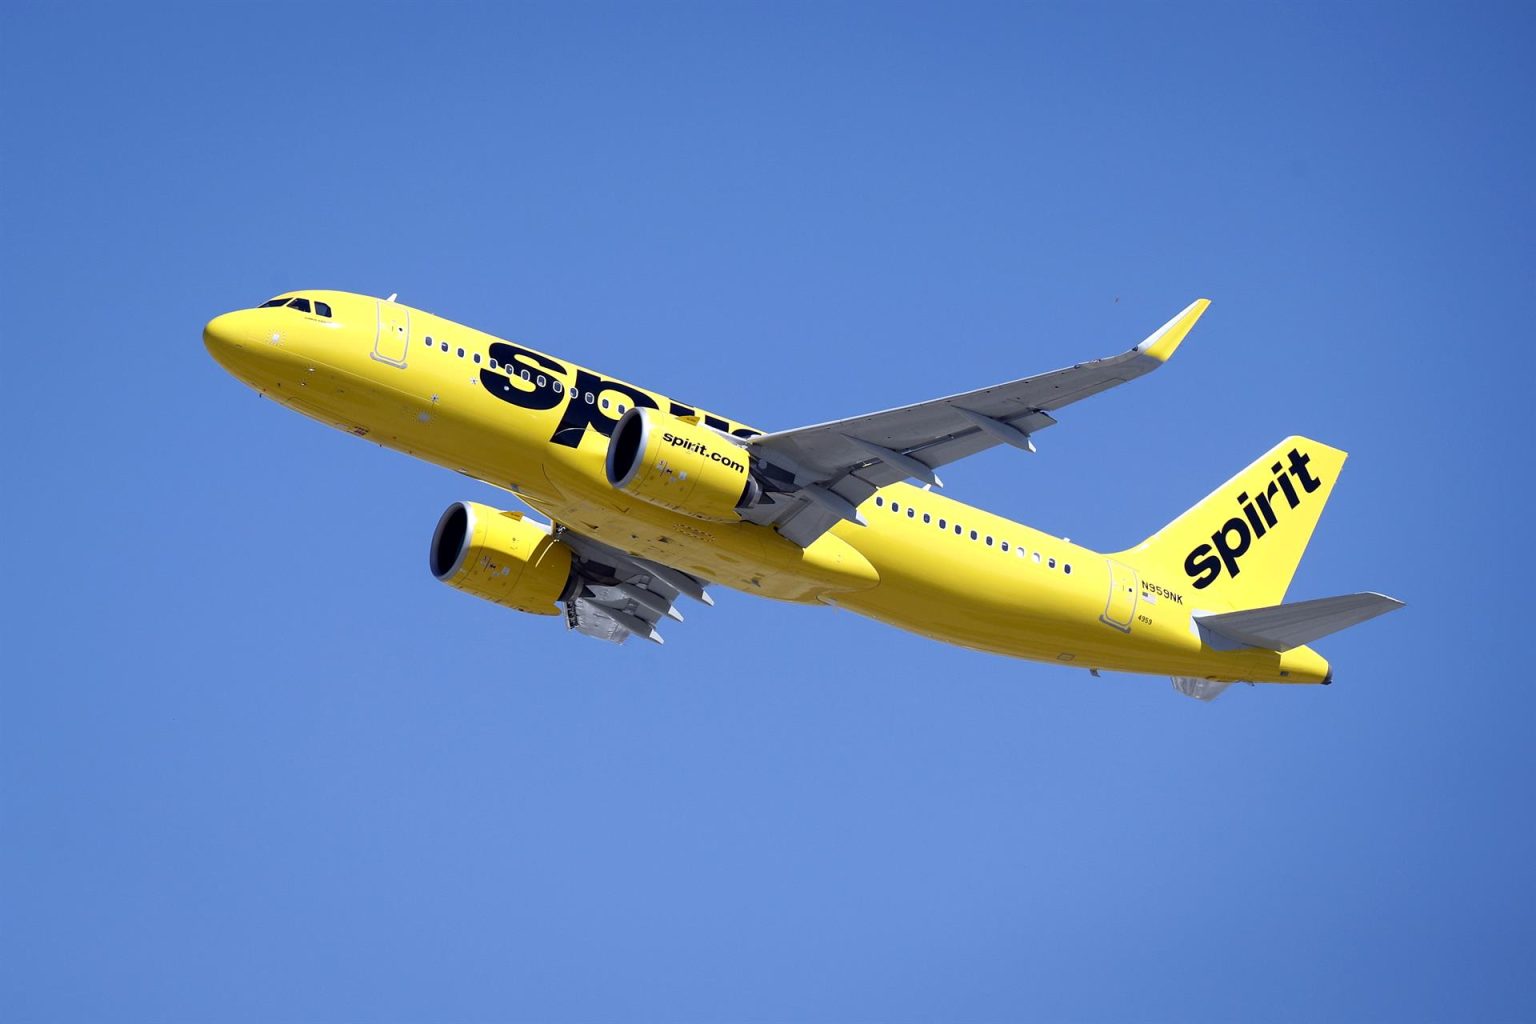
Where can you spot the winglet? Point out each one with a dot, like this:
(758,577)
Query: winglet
(1162,342)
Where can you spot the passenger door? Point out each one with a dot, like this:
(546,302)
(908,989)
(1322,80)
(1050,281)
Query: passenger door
(1121,607)
(393,339)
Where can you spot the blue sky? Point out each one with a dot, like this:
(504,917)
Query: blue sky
(256,765)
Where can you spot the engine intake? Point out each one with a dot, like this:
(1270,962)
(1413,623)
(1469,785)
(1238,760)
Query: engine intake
(501,557)
(680,465)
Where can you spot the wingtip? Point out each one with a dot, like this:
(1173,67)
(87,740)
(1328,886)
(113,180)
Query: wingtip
(1163,342)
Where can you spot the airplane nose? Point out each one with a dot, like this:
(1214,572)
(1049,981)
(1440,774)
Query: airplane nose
(221,334)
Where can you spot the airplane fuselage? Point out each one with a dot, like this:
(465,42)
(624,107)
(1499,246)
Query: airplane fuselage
(539,426)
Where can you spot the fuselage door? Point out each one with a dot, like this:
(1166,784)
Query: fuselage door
(1123,584)
(393,339)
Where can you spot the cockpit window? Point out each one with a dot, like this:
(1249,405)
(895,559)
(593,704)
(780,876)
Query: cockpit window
(323,308)
(302,305)
(274,302)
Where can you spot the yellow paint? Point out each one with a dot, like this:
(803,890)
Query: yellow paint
(369,370)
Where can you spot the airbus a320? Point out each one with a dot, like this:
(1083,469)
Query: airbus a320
(646,500)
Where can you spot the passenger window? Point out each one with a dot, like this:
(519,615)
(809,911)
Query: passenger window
(527,376)
(1050,563)
(927,518)
(445,346)
(943,525)
(1005,545)
(959,529)
(1067,568)
(302,305)
(541,380)
(621,408)
(989,540)
(477,357)
(605,403)
(558,387)
(973,535)
(429,341)
(895,506)
(323,308)
(911,512)
(1037,558)
(589,398)
(461,353)
(495,365)
(879,501)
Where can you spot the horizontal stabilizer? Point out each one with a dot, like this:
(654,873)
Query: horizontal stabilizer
(1283,626)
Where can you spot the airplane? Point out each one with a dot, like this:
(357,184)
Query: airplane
(646,500)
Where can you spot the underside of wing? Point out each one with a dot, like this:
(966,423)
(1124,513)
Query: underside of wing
(616,595)
(815,476)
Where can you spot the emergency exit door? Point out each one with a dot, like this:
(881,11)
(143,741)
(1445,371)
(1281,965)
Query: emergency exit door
(393,339)
(1121,607)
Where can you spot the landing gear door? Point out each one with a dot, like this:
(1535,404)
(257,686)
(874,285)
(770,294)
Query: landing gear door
(393,339)
(1121,607)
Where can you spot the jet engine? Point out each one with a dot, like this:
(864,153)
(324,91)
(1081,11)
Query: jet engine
(500,556)
(681,465)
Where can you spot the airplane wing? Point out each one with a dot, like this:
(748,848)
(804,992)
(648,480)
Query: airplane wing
(819,475)
(618,595)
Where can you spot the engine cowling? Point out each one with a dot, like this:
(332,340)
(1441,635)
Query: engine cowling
(500,556)
(680,465)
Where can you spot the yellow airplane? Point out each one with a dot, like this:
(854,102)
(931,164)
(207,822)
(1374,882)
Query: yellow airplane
(648,498)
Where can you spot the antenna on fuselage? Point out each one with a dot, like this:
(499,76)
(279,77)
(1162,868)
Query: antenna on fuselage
(392,296)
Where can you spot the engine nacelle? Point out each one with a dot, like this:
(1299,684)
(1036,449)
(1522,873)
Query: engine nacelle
(501,557)
(680,465)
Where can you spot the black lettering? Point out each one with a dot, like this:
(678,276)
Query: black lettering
(1230,553)
(1299,470)
(1263,503)
(1252,514)
(1203,570)
(579,415)
(1285,484)
(510,387)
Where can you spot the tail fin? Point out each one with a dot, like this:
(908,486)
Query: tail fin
(1241,545)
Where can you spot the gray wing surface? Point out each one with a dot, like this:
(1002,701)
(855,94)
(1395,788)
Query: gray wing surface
(820,474)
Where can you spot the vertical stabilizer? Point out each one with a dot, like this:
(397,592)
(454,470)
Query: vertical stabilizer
(1241,545)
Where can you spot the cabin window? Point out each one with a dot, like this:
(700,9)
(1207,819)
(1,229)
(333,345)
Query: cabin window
(302,305)
(323,308)
(879,501)
(911,512)
(589,397)
(621,408)
(495,365)
(461,353)
(559,387)
(927,518)
(541,380)
(429,341)
(1050,563)
(1005,545)
(605,403)
(973,535)
(527,376)
(959,529)
(445,346)
(477,357)
(989,540)
(943,525)
(1067,568)
(895,506)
